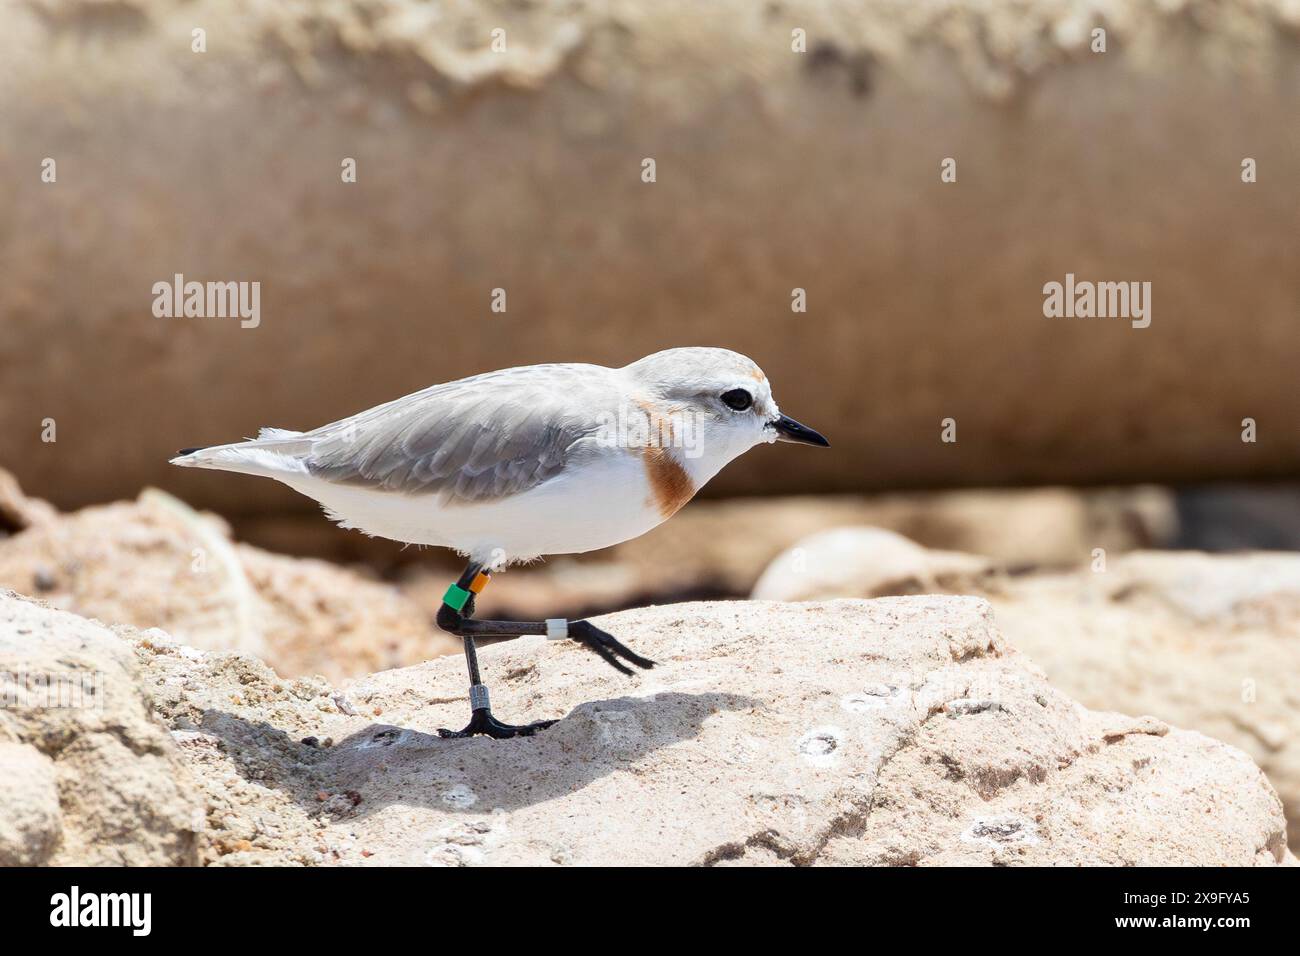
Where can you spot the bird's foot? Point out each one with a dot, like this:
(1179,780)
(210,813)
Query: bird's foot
(481,722)
(607,646)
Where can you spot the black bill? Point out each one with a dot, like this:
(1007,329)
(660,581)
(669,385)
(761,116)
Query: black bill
(787,429)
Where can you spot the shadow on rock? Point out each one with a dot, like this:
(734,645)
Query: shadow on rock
(384,765)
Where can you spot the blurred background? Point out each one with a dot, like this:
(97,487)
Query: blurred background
(797,153)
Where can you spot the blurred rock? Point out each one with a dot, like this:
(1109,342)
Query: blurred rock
(1239,518)
(155,562)
(870,562)
(732,541)
(521,170)
(898,731)
(17,511)
(1207,642)
(87,777)
(322,619)
(714,548)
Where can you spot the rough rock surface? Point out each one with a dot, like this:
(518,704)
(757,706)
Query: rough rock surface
(903,730)
(87,776)
(156,563)
(31,821)
(1208,642)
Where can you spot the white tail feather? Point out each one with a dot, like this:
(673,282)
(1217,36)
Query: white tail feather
(273,434)
(275,453)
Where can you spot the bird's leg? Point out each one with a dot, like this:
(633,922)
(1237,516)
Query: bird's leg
(455,616)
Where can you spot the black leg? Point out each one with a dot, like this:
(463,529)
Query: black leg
(455,617)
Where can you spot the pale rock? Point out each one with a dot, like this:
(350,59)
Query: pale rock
(1207,642)
(155,562)
(864,562)
(31,823)
(899,730)
(101,782)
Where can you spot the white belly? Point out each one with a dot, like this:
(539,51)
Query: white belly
(607,501)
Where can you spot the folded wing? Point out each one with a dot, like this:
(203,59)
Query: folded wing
(474,440)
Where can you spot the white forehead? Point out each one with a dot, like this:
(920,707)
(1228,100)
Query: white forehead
(706,367)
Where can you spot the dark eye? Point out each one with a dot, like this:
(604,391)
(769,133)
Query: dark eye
(737,398)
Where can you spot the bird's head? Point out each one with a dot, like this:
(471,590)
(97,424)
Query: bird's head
(718,404)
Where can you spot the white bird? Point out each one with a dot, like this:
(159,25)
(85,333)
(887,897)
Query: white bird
(511,465)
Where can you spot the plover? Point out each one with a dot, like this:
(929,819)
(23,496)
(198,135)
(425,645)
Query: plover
(508,466)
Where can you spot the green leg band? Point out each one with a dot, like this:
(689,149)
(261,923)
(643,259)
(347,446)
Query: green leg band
(456,597)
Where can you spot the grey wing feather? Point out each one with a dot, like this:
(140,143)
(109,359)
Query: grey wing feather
(477,439)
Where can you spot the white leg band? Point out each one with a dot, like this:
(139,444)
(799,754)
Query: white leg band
(557,629)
